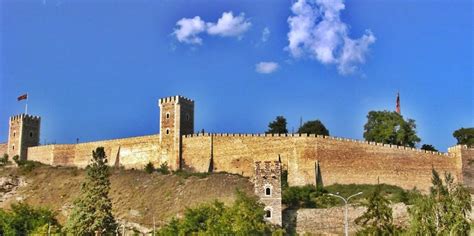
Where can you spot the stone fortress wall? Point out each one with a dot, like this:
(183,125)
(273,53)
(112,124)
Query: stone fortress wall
(133,152)
(341,160)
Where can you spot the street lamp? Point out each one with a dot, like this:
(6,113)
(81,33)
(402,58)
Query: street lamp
(346,223)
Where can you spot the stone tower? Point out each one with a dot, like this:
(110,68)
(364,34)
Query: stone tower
(268,189)
(23,132)
(176,120)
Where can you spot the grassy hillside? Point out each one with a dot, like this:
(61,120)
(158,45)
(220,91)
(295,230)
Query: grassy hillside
(137,196)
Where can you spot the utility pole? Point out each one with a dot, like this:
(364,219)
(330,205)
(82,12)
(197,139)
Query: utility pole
(154,228)
(346,223)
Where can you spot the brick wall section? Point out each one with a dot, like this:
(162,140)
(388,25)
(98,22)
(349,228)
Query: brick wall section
(43,154)
(341,161)
(467,156)
(133,152)
(331,220)
(3,149)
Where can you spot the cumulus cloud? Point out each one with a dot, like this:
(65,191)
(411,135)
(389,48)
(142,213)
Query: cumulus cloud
(265,34)
(228,25)
(316,30)
(266,67)
(189,29)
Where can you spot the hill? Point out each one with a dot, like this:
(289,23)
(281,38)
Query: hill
(137,197)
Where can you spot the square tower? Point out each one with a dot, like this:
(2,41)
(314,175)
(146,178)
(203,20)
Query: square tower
(268,188)
(176,120)
(23,132)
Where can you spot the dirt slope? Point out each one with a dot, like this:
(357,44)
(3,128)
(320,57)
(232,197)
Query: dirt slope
(137,196)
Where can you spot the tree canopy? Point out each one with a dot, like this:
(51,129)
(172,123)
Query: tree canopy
(429,147)
(465,136)
(390,127)
(244,217)
(24,219)
(445,211)
(313,127)
(278,126)
(93,208)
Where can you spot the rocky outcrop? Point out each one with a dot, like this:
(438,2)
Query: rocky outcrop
(8,186)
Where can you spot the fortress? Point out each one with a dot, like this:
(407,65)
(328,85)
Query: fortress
(340,160)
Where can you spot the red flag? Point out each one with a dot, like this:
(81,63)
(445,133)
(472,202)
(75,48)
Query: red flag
(398,103)
(23,97)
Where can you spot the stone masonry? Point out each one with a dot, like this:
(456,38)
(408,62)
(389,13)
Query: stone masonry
(267,182)
(341,160)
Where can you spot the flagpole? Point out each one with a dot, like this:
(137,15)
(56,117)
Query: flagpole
(26,104)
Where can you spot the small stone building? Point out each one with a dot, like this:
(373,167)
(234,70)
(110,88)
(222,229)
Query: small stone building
(267,182)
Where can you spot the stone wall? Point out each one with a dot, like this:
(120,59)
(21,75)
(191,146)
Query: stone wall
(341,160)
(3,149)
(133,152)
(331,220)
(467,156)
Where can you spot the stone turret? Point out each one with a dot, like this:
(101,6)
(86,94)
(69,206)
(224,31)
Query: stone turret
(267,182)
(176,120)
(23,132)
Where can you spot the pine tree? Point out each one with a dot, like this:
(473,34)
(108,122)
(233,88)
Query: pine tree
(377,220)
(92,210)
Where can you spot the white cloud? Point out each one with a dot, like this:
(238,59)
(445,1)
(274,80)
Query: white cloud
(228,25)
(316,30)
(189,29)
(265,34)
(265,67)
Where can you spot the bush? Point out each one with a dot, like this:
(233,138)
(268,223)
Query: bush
(149,168)
(186,174)
(16,159)
(244,217)
(4,160)
(302,196)
(164,169)
(24,219)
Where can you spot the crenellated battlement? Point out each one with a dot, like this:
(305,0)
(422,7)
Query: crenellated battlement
(25,117)
(175,99)
(322,137)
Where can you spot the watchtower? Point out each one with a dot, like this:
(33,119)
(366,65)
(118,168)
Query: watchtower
(23,132)
(267,182)
(176,120)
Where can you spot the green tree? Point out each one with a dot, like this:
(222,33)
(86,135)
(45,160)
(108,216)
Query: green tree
(465,136)
(244,217)
(4,159)
(390,127)
(93,208)
(313,127)
(278,126)
(445,211)
(377,219)
(24,219)
(428,147)
(149,168)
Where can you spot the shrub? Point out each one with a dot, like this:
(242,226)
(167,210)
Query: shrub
(4,160)
(244,217)
(149,168)
(164,169)
(24,219)
(186,174)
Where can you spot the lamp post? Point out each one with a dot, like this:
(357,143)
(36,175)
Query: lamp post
(346,223)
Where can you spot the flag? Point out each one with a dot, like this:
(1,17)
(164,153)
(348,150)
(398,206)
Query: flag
(23,97)
(398,103)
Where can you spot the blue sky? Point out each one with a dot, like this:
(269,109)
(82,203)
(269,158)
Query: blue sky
(95,69)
